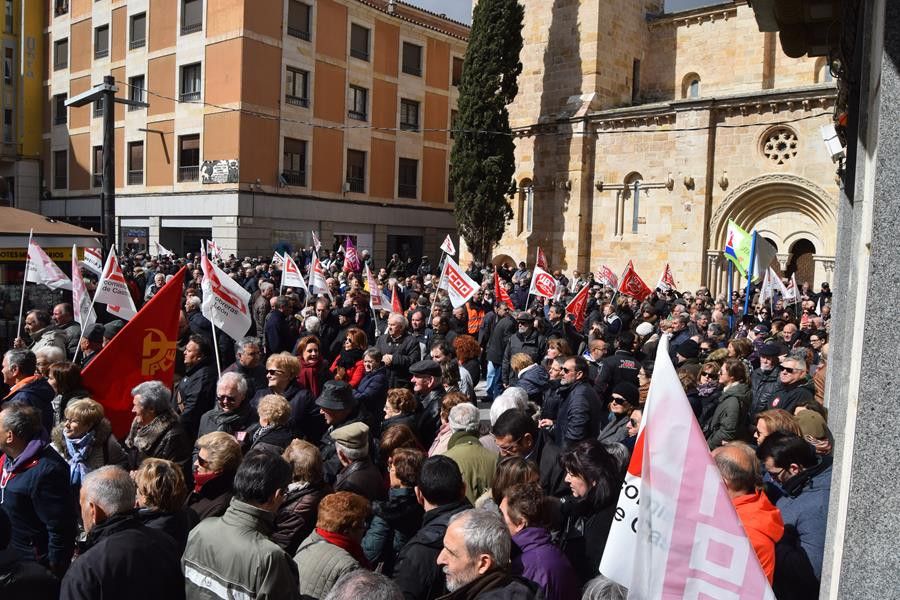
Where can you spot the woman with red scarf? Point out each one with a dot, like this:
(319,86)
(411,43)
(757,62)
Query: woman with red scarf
(217,460)
(313,372)
(334,548)
(348,365)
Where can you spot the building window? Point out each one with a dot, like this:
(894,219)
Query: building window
(358,102)
(8,16)
(297,87)
(190,83)
(189,158)
(299,21)
(60,7)
(135,163)
(8,129)
(191,16)
(294,163)
(526,207)
(101,41)
(412,59)
(454,115)
(779,145)
(359,42)
(408,178)
(457,70)
(690,86)
(60,170)
(409,115)
(98,107)
(137,91)
(138,31)
(635,81)
(356,171)
(628,205)
(60,112)
(97,171)
(60,55)
(8,61)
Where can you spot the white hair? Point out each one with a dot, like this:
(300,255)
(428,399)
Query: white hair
(352,454)
(53,354)
(194,302)
(111,488)
(484,532)
(464,417)
(312,325)
(237,379)
(512,397)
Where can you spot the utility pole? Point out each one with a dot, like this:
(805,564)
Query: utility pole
(106,93)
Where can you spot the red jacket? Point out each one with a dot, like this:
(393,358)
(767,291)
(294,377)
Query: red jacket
(354,374)
(763,524)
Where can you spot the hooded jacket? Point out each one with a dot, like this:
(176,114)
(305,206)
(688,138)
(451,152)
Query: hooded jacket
(763,524)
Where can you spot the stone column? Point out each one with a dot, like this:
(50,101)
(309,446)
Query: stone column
(861,555)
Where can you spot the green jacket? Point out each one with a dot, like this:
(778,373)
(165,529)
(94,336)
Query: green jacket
(476,462)
(730,420)
(232,557)
(321,564)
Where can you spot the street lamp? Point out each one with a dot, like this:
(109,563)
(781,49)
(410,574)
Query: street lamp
(106,92)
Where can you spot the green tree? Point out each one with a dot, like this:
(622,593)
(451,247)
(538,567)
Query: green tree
(482,161)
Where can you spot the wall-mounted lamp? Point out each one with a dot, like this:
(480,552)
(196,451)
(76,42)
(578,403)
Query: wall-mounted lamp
(670,182)
(723,180)
(689,182)
(599,185)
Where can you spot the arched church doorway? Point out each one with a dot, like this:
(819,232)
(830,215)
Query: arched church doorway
(800,263)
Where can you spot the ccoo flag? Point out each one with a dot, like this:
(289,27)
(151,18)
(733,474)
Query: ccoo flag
(113,291)
(81,301)
(225,303)
(93,260)
(448,247)
(690,542)
(317,282)
(144,350)
(291,275)
(42,269)
(459,286)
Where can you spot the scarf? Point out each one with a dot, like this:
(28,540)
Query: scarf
(707,389)
(201,479)
(345,543)
(349,358)
(309,376)
(79,449)
(261,431)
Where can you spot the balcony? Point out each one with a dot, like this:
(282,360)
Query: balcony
(135,44)
(407,190)
(357,185)
(294,177)
(189,97)
(188,28)
(101,53)
(135,177)
(189,173)
(298,33)
(61,8)
(355,114)
(297,101)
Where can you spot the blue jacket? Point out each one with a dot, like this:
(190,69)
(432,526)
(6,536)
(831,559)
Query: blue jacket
(372,389)
(579,414)
(38,394)
(804,506)
(534,381)
(38,500)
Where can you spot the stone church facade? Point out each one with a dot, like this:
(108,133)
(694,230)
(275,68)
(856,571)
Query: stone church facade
(640,134)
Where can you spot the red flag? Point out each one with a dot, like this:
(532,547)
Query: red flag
(500,292)
(541,259)
(395,301)
(578,308)
(144,350)
(632,285)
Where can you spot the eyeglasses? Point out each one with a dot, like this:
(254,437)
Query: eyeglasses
(224,398)
(633,422)
(509,447)
(708,374)
(619,400)
(566,369)
(274,372)
(791,370)
(202,461)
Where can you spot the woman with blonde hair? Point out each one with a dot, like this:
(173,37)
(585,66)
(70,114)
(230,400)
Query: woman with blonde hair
(282,371)
(85,439)
(272,431)
(439,446)
(215,464)
(774,420)
(160,499)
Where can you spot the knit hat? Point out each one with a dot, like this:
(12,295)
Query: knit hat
(628,391)
(688,349)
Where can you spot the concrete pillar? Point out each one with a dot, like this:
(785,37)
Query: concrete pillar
(861,557)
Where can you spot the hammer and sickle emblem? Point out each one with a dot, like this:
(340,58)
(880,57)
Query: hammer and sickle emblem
(158,352)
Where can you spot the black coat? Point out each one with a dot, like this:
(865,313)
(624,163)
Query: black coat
(279,336)
(621,366)
(361,477)
(579,416)
(533,344)
(789,397)
(176,525)
(296,518)
(38,394)
(195,394)
(255,377)
(276,439)
(405,352)
(124,557)
(306,420)
(232,423)
(212,500)
(372,390)
(546,456)
(417,573)
(585,533)
(503,329)
(330,461)
(764,385)
(25,579)
(428,417)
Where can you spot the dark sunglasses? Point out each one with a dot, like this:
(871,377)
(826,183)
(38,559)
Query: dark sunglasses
(708,374)
(619,400)
(274,372)
(566,369)
(791,370)
(202,461)
(633,422)
(224,398)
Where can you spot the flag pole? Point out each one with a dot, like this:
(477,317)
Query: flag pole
(375,317)
(24,281)
(730,299)
(216,348)
(93,299)
(750,271)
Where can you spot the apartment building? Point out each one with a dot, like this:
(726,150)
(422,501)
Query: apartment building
(267,120)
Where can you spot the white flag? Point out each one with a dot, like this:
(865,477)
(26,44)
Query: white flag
(113,291)
(543,283)
(213,249)
(448,246)
(162,251)
(316,242)
(459,286)
(81,301)
(225,303)
(291,275)
(317,283)
(764,254)
(93,260)
(42,269)
(690,542)
(765,289)
(278,260)
(375,299)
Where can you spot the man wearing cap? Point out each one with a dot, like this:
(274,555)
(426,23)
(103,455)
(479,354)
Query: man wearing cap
(358,473)
(399,351)
(526,340)
(429,391)
(764,381)
(111,329)
(621,366)
(91,344)
(338,407)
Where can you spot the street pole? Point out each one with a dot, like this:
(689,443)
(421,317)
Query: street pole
(108,191)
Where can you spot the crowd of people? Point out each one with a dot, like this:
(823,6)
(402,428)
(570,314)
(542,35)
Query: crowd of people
(337,451)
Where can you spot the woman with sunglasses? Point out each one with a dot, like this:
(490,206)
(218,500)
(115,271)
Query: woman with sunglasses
(708,391)
(633,426)
(281,373)
(729,421)
(624,397)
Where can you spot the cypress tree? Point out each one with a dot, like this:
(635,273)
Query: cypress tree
(482,161)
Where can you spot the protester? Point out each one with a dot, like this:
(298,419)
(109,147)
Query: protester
(516,434)
(41,333)
(120,552)
(297,516)
(160,498)
(23,579)
(156,431)
(361,583)
(232,412)
(400,408)
(26,385)
(729,419)
(196,392)
(579,416)
(85,440)
(476,463)
(358,473)
(429,392)
(399,351)
(281,372)
(65,379)
(272,431)
(232,555)
(372,390)
(624,399)
(249,365)
(348,364)
(526,340)
(215,464)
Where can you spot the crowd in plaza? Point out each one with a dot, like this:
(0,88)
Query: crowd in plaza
(337,450)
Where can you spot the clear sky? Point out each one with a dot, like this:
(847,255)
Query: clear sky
(461,10)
